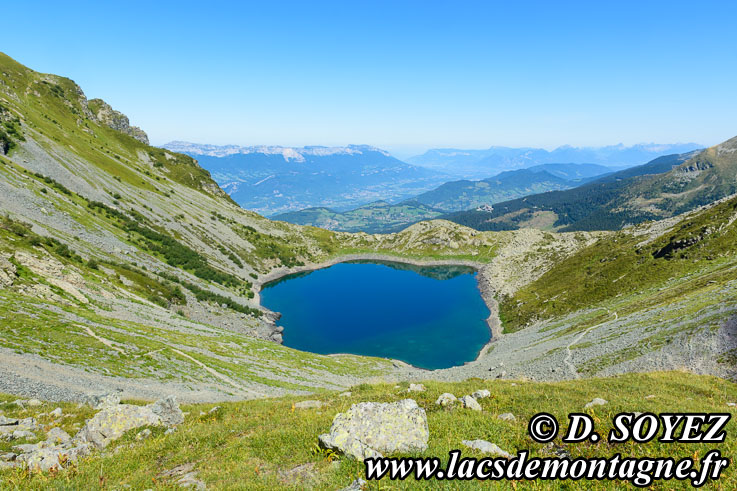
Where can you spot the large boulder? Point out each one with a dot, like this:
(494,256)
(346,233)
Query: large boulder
(113,421)
(369,428)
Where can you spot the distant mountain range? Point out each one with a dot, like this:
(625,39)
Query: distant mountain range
(383,217)
(475,164)
(464,194)
(272,180)
(662,188)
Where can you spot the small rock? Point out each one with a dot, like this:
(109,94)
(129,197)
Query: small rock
(486,447)
(18,434)
(298,475)
(56,413)
(502,374)
(507,417)
(33,403)
(101,401)
(416,388)
(557,450)
(167,409)
(143,434)
(470,403)
(177,471)
(41,460)
(731,404)
(597,401)
(190,481)
(27,447)
(27,424)
(357,485)
(481,394)
(446,399)
(308,404)
(213,410)
(345,394)
(5,421)
(7,457)
(169,431)
(187,476)
(57,435)
(83,450)
(651,396)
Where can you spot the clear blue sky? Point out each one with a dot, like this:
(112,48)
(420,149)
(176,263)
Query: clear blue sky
(400,75)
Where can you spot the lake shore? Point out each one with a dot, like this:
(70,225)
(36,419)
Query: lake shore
(483,283)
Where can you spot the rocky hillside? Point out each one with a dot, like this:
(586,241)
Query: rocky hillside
(125,267)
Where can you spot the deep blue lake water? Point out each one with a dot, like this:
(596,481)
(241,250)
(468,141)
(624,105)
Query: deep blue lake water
(430,317)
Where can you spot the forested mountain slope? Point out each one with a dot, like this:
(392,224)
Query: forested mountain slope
(660,189)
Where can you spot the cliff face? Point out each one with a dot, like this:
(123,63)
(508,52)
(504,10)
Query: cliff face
(103,113)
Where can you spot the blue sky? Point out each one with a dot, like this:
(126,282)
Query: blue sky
(399,75)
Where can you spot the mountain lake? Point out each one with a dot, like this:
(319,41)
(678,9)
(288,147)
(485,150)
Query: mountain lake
(428,316)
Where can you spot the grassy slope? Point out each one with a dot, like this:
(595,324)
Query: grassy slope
(180,230)
(700,250)
(250,444)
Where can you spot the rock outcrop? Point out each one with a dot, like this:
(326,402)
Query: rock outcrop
(7,273)
(104,114)
(107,425)
(369,428)
(113,421)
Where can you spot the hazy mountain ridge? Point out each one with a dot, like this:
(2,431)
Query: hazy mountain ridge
(272,180)
(289,153)
(482,163)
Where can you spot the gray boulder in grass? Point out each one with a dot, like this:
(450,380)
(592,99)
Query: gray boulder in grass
(167,409)
(369,428)
(113,421)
